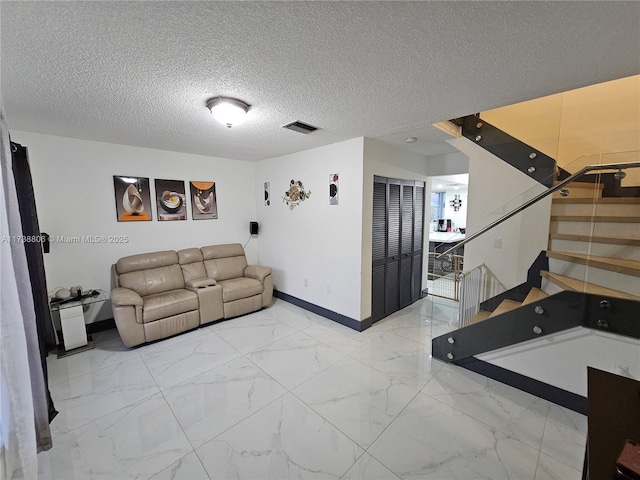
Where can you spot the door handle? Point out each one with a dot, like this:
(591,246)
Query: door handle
(395,257)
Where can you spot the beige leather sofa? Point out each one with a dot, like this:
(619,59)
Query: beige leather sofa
(160,294)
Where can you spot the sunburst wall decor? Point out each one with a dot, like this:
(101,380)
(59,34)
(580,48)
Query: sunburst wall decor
(296,194)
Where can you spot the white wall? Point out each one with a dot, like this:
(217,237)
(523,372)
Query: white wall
(386,161)
(73,184)
(448,164)
(562,359)
(494,189)
(315,241)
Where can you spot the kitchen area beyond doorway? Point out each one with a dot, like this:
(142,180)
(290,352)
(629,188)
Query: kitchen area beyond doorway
(447,228)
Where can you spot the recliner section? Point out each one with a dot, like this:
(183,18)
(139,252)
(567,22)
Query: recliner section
(161,294)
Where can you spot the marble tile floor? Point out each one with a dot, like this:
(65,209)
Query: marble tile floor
(284,393)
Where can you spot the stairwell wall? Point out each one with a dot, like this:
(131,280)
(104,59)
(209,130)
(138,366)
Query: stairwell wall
(495,188)
(561,359)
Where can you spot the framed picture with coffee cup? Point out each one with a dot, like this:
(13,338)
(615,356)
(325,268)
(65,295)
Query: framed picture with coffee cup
(171,200)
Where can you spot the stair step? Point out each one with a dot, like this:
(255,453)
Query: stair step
(598,276)
(595,249)
(534,295)
(594,209)
(599,226)
(505,306)
(628,267)
(595,218)
(599,201)
(480,316)
(596,239)
(576,285)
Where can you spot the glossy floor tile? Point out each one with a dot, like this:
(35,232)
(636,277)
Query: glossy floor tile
(357,399)
(187,468)
(295,359)
(432,440)
(175,362)
(91,396)
(404,360)
(135,441)
(286,439)
(210,403)
(284,393)
(511,411)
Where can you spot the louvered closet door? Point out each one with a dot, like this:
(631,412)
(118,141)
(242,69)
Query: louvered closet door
(398,219)
(418,229)
(406,241)
(379,251)
(392,297)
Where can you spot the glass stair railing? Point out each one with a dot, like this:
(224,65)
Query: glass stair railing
(591,262)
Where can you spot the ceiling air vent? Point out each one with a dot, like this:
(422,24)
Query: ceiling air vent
(300,127)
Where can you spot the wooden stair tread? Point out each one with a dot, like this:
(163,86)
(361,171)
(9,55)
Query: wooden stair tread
(534,295)
(504,307)
(576,285)
(599,200)
(480,316)
(628,267)
(596,239)
(596,218)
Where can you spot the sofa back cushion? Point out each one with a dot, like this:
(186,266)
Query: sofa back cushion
(150,273)
(145,261)
(192,264)
(223,262)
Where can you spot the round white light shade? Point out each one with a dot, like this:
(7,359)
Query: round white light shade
(228,111)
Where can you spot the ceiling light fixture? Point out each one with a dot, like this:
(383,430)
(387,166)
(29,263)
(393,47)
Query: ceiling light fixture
(228,111)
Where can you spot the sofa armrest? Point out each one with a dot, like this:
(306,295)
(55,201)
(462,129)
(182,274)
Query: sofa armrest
(196,283)
(123,296)
(257,272)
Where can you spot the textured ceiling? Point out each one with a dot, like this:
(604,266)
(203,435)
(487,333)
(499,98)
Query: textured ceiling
(139,73)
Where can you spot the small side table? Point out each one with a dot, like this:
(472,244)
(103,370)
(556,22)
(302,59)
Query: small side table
(72,321)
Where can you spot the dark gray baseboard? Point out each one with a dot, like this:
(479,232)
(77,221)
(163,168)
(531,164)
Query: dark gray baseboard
(324,312)
(101,325)
(556,395)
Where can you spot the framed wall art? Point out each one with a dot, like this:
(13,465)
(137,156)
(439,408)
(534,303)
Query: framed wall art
(171,200)
(203,200)
(267,194)
(334,191)
(133,200)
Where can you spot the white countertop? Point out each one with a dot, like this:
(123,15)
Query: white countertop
(446,237)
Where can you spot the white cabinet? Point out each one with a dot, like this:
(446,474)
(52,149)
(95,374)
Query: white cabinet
(74,332)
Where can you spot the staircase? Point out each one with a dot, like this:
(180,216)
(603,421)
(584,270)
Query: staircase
(594,248)
(586,312)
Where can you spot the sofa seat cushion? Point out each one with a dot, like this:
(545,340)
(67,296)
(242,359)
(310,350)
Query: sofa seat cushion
(237,288)
(167,304)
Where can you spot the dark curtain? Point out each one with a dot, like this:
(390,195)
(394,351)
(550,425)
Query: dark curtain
(35,259)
